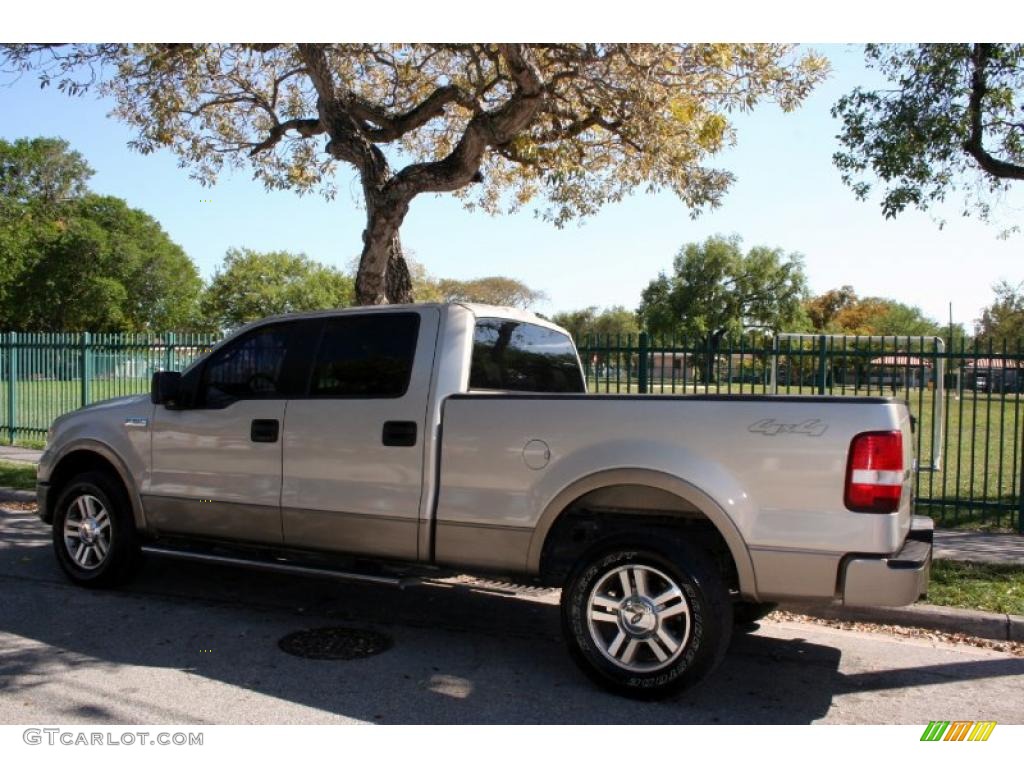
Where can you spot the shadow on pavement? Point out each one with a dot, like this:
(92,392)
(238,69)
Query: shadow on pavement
(462,654)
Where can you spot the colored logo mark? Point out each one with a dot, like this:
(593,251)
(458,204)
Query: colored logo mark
(958,730)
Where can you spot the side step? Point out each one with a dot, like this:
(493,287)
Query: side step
(280,566)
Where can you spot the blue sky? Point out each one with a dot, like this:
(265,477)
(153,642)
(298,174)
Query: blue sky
(787,194)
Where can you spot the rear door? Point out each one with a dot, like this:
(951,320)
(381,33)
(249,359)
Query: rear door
(354,445)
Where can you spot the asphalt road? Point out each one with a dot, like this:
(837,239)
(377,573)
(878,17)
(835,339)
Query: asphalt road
(190,643)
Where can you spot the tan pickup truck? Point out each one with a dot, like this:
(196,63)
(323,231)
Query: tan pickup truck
(389,443)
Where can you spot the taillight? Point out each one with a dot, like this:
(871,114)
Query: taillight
(874,472)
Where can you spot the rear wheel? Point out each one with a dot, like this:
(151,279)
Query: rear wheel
(93,531)
(647,621)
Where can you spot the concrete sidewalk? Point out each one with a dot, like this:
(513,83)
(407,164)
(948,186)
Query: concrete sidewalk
(17,453)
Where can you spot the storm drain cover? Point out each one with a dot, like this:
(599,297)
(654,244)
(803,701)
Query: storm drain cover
(335,643)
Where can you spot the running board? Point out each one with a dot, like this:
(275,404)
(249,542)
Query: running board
(277,566)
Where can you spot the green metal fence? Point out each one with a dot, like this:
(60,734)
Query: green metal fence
(43,375)
(966,399)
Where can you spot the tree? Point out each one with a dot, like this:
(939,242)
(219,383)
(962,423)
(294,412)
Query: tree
(500,124)
(952,116)
(1002,322)
(613,321)
(250,285)
(841,311)
(42,171)
(92,263)
(98,265)
(496,290)
(822,310)
(715,289)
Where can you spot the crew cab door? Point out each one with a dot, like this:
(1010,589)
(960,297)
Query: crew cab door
(216,463)
(354,445)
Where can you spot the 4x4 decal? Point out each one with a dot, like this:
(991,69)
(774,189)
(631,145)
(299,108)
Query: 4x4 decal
(771,427)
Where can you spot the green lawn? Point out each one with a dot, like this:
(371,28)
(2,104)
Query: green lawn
(981,586)
(17,475)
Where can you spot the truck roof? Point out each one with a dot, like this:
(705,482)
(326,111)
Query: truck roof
(478,310)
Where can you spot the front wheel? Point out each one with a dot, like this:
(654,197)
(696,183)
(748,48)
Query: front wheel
(647,622)
(93,531)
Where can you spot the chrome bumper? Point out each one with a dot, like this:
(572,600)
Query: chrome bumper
(898,579)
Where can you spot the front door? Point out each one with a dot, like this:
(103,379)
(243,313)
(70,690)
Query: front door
(216,468)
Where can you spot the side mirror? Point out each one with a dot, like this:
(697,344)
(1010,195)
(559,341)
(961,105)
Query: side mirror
(165,388)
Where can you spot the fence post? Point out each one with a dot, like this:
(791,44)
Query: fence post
(641,371)
(169,352)
(12,387)
(85,369)
(822,366)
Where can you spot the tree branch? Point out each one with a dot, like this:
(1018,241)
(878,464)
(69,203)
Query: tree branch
(979,89)
(305,127)
(392,127)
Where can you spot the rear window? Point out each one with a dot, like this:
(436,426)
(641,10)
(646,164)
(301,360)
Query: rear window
(368,356)
(511,355)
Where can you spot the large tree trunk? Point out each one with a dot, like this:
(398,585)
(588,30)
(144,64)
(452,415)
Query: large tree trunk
(383,276)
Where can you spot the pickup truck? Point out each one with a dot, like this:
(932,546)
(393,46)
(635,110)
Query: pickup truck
(385,444)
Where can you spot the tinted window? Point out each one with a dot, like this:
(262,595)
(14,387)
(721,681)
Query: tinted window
(525,358)
(247,369)
(366,356)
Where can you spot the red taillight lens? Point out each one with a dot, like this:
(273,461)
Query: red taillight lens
(874,472)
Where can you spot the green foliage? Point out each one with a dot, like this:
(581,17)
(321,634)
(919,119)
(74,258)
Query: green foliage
(495,290)
(41,171)
(948,120)
(250,285)
(1003,320)
(841,311)
(94,264)
(716,290)
(613,321)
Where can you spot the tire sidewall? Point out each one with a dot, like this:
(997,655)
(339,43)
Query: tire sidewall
(123,547)
(709,633)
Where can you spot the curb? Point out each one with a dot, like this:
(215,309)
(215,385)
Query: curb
(992,626)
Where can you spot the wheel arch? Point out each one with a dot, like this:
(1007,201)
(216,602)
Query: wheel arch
(85,456)
(691,501)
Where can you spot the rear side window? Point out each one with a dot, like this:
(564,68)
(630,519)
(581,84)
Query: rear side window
(365,356)
(510,355)
(248,369)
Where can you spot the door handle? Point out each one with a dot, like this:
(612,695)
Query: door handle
(399,433)
(264,430)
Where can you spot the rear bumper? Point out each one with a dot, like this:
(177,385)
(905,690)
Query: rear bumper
(898,579)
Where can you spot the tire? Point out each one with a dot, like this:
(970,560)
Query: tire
(94,535)
(622,642)
(746,615)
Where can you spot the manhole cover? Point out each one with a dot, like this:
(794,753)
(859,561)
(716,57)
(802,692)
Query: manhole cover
(337,643)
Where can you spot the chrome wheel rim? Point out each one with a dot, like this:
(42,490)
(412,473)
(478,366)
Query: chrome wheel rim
(87,533)
(639,618)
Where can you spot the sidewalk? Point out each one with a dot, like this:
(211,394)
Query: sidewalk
(978,547)
(16,453)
